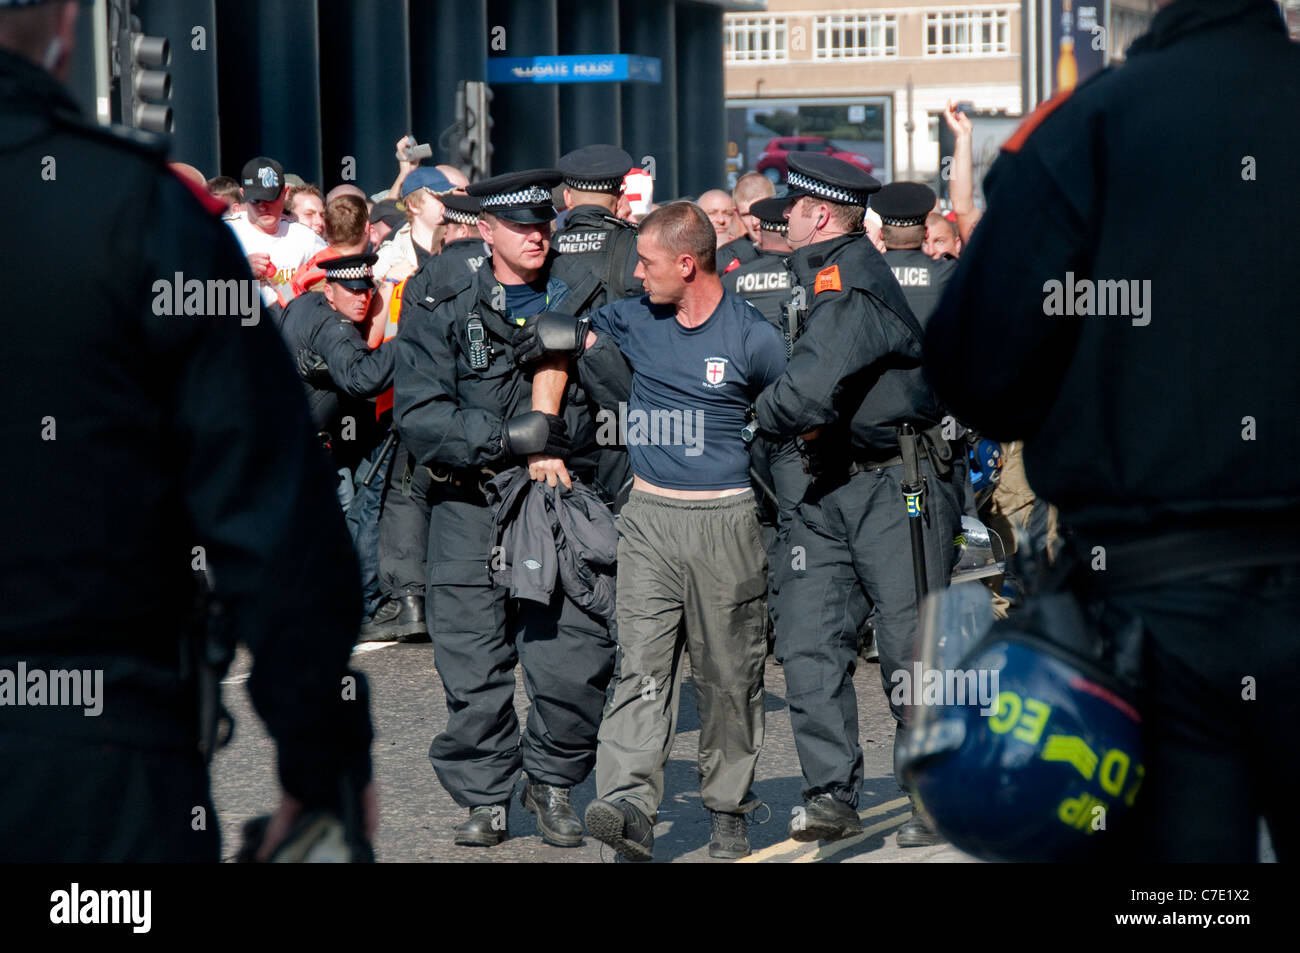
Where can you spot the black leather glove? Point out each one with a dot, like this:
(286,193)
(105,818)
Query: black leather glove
(535,432)
(312,367)
(550,333)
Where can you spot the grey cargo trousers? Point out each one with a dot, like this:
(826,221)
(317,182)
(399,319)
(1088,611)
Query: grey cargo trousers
(695,569)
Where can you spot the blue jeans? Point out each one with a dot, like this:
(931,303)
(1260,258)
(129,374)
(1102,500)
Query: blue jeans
(363,524)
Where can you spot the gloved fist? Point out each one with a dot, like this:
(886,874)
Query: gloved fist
(550,333)
(312,367)
(535,432)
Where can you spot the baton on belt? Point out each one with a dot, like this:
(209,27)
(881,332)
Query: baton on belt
(384,451)
(914,497)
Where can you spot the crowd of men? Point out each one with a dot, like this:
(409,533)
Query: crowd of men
(453,337)
(581,433)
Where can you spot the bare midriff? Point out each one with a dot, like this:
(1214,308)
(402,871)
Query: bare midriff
(646,487)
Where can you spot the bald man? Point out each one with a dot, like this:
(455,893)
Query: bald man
(734,245)
(750,188)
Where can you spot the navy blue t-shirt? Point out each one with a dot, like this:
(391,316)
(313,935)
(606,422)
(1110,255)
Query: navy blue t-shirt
(690,389)
(524,301)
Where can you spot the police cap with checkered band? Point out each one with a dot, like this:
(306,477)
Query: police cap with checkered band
(828,179)
(523,197)
(904,203)
(351,271)
(459,209)
(598,168)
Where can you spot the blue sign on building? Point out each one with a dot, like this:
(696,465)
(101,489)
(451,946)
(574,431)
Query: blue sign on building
(610,68)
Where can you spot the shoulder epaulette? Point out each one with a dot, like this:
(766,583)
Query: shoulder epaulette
(449,290)
(1034,119)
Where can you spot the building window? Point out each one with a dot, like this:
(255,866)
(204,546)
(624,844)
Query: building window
(968,33)
(754,39)
(855,36)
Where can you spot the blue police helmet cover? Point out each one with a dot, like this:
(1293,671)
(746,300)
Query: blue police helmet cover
(262,179)
(523,197)
(351,271)
(828,178)
(904,203)
(1045,764)
(595,168)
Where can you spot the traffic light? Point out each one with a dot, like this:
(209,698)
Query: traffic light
(473,143)
(139,62)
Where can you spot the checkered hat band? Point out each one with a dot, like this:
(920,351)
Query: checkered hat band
(824,189)
(533,195)
(593,185)
(345,274)
(773,226)
(461,218)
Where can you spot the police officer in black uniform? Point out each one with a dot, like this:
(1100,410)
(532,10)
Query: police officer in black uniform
(853,380)
(1163,424)
(766,282)
(903,207)
(404,514)
(143,445)
(597,258)
(463,409)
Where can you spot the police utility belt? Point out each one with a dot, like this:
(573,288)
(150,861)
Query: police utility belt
(936,446)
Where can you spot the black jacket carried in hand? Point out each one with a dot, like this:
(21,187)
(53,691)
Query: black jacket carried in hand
(1163,174)
(543,533)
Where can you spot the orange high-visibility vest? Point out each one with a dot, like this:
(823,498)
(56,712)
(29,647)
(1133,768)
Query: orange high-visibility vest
(384,402)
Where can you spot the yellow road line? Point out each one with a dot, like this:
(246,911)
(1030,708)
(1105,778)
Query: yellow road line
(841,845)
(790,846)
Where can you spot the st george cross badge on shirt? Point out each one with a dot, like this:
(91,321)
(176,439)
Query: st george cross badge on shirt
(715,369)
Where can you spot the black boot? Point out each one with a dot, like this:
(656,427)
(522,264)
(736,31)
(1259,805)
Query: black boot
(917,832)
(825,818)
(730,836)
(623,827)
(555,818)
(376,628)
(409,625)
(488,825)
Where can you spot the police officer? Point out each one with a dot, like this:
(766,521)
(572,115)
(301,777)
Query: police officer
(462,245)
(142,445)
(766,282)
(770,286)
(463,411)
(854,378)
(597,259)
(1187,496)
(404,514)
(903,207)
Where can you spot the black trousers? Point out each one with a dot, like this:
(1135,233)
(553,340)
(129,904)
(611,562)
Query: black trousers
(850,548)
(404,528)
(66,801)
(479,636)
(1220,715)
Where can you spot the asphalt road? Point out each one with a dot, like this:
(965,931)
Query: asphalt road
(417,815)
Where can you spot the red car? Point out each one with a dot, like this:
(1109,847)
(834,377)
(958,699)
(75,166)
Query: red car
(771,161)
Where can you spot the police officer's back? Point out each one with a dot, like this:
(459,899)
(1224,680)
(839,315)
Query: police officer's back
(1156,384)
(903,207)
(142,444)
(766,282)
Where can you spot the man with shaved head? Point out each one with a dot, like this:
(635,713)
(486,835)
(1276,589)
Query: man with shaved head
(734,246)
(750,188)
(691,568)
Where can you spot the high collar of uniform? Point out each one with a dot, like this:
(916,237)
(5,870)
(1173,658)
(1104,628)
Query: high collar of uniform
(810,259)
(1188,16)
(28,89)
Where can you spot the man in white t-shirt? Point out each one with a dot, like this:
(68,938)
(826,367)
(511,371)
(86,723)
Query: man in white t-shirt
(274,246)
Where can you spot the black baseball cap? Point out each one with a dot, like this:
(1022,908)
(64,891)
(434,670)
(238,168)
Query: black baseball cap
(262,180)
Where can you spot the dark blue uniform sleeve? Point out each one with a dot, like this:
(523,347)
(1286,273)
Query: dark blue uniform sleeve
(432,424)
(846,331)
(354,367)
(257,488)
(991,352)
